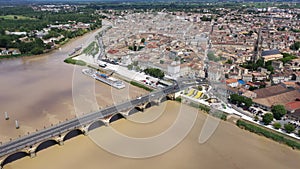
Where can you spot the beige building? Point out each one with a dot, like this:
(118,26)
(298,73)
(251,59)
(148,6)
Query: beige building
(271,55)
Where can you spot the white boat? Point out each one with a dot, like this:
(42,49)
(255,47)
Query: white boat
(116,83)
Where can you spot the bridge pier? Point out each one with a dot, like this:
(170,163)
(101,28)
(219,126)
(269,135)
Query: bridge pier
(85,132)
(157,102)
(106,121)
(32,153)
(61,142)
(171,96)
(1,161)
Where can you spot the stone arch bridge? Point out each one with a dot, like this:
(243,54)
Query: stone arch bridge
(31,145)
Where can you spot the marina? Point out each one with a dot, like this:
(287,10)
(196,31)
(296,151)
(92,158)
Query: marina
(107,79)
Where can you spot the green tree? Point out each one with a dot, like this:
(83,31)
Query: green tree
(212,57)
(37,50)
(155,72)
(130,67)
(229,61)
(277,125)
(289,127)
(295,46)
(270,68)
(251,88)
(234,98)
(287,57)
(248,102)
(143,40)
(237,99)
(267,118)
(278,111)
(256,118)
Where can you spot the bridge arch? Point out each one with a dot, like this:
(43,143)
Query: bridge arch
(45,144)
(162,99)
(72,133)
(14,157)
(116,117)
(95,124)
(148,105)
(133,111)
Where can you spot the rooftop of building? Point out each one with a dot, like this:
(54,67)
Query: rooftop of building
(270,52)
(272,90)
(282,98)
(294,105)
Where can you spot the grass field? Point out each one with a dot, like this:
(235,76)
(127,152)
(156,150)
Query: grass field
(92,49)
(16,17)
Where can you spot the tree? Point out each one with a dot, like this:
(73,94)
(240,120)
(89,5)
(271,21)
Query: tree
(234,98)
(237,99)
(251,88)
(278,111)
(295,46)
(248,102)
(289,127)
(229,61)
(130,67)
(256,118)
(277,125)
(267,118)
(270,68)
(143,40)
(155,72)
(299,132)
(37,51)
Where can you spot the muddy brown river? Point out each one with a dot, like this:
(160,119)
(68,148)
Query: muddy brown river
(37,91)
(229,147)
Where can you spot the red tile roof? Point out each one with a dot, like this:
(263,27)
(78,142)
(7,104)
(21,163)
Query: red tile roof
(229,81)
(290,106)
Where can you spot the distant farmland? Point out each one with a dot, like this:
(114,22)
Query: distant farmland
(16,17)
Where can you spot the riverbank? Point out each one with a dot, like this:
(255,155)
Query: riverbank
(228,147)
(280,138)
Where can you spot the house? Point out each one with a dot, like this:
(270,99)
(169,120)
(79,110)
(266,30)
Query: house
(268,55)
(231,90)
(295,64)
(247,77)
(296,76)
(258,76)
(291,107)
(277,78)
(277,65)
(249,94)
(232,82)
(242,71)
(233,75)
